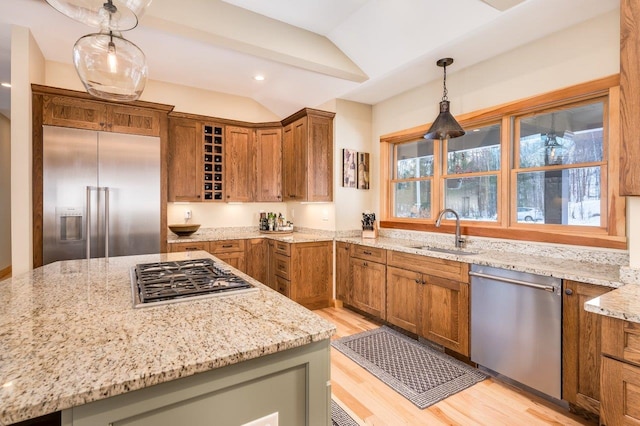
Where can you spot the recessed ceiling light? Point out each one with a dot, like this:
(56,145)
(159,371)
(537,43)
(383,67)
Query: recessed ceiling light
(5,84)
(258,77)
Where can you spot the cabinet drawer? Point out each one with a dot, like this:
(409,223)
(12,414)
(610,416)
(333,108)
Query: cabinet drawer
(442,268)
(282,248)
(369,253)
(281,266)
(621,339)
(283,286)
(226,246)
(193,246)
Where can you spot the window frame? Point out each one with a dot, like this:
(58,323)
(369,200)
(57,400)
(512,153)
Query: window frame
(612,230)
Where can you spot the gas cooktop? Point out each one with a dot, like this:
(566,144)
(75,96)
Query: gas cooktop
(166,282)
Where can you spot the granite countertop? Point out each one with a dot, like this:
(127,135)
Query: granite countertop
(69,334)
(587,272)
(623,303)
(222,234)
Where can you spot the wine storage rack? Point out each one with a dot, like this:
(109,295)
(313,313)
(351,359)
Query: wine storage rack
(213,162)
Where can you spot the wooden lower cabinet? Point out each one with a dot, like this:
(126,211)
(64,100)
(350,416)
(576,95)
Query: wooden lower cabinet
(620,380)
(444,313)
(429,297)
(368,289)
(343,275)
(302,272)
(581,334)
(404,297)
(256,259)
(229,251)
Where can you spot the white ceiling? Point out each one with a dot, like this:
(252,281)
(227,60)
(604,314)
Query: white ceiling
(310,51)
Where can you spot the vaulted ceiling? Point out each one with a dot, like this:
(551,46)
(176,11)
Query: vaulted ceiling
(309,51)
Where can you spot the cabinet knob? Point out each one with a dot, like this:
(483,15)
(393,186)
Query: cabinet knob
(568,292)
(418,281)
(365,264)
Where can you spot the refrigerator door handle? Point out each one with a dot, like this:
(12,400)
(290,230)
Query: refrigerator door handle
(90,189)
(106,222)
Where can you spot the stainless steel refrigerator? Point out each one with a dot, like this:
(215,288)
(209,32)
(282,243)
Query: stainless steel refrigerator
(101,194)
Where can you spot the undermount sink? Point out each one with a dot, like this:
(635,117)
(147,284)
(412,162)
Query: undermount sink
(448,251)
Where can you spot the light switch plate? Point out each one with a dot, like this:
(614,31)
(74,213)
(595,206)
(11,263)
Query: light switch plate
(268,420)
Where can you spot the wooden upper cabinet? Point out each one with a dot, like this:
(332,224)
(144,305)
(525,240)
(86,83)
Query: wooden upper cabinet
(240,164)
(269,165)
(66,111)
(307,156)
(294,161)
(320,161)
(185,160)
(125,119)
(629,97)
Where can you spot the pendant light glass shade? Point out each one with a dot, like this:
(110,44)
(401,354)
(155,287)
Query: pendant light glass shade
(115,15)
(444,126)
(110,67)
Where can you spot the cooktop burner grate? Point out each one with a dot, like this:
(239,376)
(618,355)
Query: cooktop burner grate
(166,281)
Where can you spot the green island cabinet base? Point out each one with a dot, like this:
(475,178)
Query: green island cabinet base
(294,383)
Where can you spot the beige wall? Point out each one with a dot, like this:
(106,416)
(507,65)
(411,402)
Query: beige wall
(27,66)
(5,192)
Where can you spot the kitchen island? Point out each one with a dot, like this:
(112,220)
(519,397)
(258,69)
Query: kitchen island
(72,342)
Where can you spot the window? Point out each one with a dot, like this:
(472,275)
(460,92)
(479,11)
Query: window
(561,171)
(412,179)
(536,169)
(471,180)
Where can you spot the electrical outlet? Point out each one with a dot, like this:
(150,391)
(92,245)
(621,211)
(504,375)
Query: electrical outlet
(187,214)
(325,215)
(268,420)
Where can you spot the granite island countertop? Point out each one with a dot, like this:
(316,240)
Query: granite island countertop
(623,303)
(70,335)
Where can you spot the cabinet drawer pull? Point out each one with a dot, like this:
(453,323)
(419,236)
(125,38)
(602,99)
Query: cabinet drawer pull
(227,245)
(192,248)
(367,253)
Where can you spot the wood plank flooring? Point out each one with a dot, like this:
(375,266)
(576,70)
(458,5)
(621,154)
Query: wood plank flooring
(371,402)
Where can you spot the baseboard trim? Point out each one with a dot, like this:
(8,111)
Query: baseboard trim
(5,273)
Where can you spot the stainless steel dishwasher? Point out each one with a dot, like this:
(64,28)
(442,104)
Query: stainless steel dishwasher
(516,327)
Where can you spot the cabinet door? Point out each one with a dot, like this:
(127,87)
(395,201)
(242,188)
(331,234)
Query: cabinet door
(127,119)
(444,317)
(185,160)
(256,259)
(269,167)
(294,160)
(77,113)
(620,393)
(312,274)
(581,331)
(235,259)
(239,164)
(369,287)
(343,277)
(403,298)
(320,159)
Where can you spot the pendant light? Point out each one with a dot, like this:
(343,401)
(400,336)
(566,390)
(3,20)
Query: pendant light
(445,126)
(116,15)
(110,66)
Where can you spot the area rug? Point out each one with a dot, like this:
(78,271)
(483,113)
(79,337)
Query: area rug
(339,417)
(416,371)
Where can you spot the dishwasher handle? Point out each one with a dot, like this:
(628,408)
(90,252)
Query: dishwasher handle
(548,288)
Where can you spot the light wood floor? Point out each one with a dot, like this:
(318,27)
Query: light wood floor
(371,402)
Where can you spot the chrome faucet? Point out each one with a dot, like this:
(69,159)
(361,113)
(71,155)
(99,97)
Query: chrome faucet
(459,240)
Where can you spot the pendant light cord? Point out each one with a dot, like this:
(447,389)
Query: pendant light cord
(444,85)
